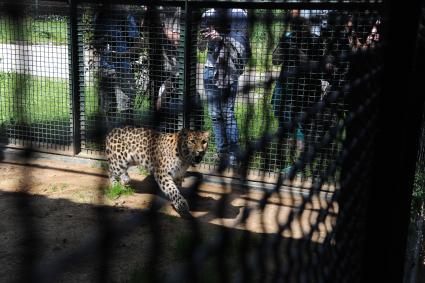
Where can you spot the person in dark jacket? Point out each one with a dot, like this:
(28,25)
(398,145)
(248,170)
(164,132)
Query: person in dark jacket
(296,88)
(117,38)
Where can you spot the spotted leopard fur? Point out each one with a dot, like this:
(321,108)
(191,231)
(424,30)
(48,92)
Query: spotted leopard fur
(165,155)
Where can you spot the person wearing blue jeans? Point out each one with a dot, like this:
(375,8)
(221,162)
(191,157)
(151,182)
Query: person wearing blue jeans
(221,107)
(224,32)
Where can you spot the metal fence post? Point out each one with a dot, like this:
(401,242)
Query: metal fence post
(74,78)
(187,61)
(389,196)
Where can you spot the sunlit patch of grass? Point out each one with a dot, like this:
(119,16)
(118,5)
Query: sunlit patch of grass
(143,171)
(30,99)
(53,188)
(118,190)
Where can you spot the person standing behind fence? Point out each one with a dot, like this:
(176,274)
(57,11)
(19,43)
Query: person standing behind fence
(225,34)
(117,39)
(169,103)
(295,89)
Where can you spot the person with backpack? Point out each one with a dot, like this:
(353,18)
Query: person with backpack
(224,33)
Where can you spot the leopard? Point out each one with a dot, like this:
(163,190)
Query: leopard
(166,156)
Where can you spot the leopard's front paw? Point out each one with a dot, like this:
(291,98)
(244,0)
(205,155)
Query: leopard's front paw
(182,208)
(124,179)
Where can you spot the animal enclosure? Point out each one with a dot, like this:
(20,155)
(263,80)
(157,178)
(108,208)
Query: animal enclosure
(298,102)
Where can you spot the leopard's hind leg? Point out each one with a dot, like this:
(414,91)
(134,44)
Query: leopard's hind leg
(118,170)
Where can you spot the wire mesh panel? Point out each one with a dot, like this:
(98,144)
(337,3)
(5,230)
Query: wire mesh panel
(273,87)
(34,75)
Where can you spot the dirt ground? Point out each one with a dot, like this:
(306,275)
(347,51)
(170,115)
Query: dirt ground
(50,210)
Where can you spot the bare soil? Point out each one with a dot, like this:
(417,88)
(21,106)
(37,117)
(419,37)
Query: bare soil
(50,211)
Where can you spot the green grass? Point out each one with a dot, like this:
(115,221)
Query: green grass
(34,31)
(143,171)
(57,187)
(263,41)
(91,93)
(114,192)
(33,99)
(30,99)
(255,119)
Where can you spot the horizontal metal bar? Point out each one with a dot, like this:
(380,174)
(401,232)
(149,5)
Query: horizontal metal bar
(117,2)
(38,147)
(249,4)
(178,3)
(287,5)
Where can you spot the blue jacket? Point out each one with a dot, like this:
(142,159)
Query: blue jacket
(115,34)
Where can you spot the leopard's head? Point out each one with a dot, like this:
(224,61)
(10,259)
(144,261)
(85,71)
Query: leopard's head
(193,145)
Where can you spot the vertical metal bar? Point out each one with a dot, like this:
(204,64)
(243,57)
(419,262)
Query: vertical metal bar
(187,39)
(27,251)
(395,150)
(74,78)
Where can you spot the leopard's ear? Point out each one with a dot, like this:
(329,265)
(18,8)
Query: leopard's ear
(206,134)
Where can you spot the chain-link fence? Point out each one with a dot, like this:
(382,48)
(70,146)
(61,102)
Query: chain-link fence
(293,93)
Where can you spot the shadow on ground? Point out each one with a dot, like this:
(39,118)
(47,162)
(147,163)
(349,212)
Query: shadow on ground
(53,221)
(48,229)
(197,202)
